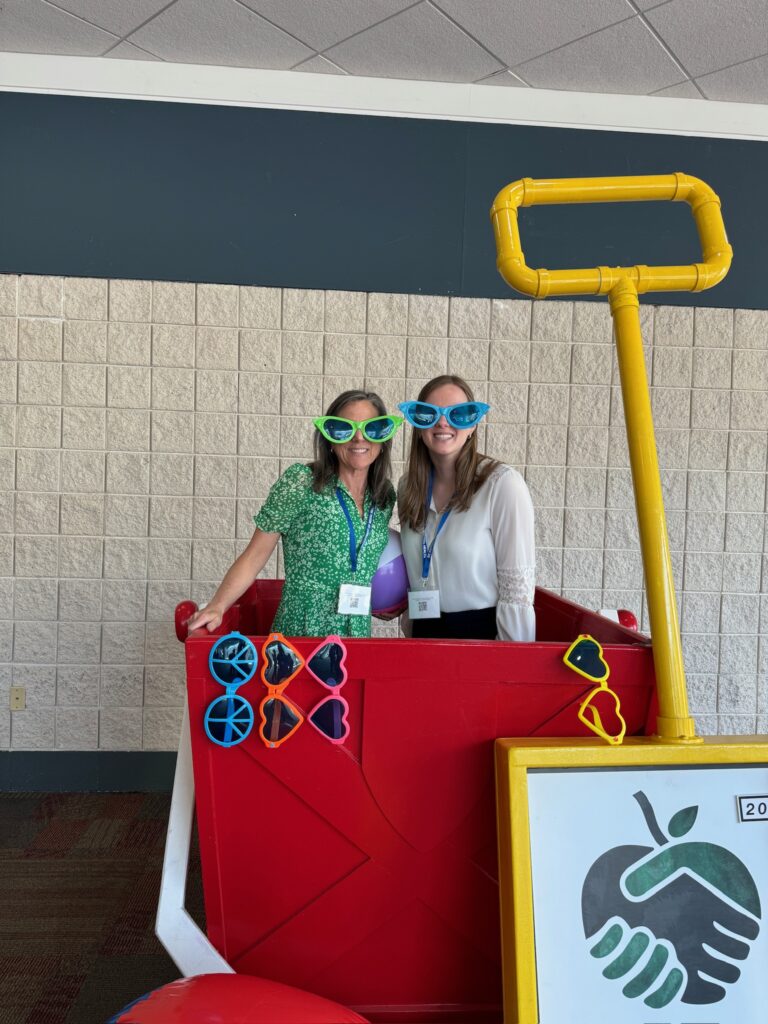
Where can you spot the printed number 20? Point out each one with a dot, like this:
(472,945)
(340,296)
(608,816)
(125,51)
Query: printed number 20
(753,808)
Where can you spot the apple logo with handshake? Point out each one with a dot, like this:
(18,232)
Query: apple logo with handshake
(671,919)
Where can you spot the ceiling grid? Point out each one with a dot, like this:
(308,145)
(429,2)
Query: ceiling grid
(672,48)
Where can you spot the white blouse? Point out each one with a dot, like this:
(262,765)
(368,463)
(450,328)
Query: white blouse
(484,556)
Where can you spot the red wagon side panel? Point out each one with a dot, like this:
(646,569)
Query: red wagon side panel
(367,872)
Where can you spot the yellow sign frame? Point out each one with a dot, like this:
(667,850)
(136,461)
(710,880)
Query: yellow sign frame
(514,758)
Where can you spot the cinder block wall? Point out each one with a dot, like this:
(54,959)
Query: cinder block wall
(142,424)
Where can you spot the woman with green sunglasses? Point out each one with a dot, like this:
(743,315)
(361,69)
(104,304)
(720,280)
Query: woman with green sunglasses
(466,525)
(333,517)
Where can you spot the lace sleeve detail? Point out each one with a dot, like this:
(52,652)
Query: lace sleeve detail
(516,586)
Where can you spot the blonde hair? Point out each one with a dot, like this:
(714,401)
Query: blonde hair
(472,467)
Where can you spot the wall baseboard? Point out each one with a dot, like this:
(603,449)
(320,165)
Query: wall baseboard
(88,771)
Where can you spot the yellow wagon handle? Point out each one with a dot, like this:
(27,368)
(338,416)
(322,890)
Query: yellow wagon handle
(622,285)
(704,203)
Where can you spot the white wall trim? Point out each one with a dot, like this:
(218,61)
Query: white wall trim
(385,97)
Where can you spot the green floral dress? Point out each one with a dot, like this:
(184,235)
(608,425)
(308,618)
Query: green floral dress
(316,553)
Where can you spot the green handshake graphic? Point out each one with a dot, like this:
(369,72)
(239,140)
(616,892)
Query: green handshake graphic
(670,920)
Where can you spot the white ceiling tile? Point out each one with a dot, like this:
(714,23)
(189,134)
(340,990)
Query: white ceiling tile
(743,83)
(419,43)
(707,35)
(218,32)
(625,58)
(31,26)
(503,78)
(516,32)
(114,15)
(319,66)
(323,23)
(127,51)
(683,91)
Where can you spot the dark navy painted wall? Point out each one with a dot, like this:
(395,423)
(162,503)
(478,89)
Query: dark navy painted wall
(116,188)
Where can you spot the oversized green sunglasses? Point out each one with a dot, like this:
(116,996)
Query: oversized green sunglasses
(377,430)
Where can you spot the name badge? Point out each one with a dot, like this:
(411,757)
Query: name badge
(424,604)
(354,600)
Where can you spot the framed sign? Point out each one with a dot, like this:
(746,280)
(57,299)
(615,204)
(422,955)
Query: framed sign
(634,881)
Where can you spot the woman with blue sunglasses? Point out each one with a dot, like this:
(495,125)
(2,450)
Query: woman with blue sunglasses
(333,517)
(466,524)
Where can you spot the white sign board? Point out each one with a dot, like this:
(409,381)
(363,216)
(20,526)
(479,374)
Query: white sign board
(650,894)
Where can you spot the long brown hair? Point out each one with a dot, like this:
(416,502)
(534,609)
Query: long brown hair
(472,467)
(326,464)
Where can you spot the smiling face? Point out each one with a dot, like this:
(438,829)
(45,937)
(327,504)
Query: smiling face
(357,454)
(444,441)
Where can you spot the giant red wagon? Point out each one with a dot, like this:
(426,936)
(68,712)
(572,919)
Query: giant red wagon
(366,872)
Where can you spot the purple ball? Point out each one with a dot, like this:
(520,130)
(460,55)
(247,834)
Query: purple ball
(389,587)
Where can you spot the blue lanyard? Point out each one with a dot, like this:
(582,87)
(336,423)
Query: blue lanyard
(354,550)
(427,549)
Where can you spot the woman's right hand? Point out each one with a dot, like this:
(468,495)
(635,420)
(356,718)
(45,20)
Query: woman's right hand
(210,617)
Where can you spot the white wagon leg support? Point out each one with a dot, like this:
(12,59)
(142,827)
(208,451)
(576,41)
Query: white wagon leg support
(186,944)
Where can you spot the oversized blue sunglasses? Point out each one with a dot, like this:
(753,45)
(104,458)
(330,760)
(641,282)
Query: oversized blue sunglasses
(423,415)
(232,662)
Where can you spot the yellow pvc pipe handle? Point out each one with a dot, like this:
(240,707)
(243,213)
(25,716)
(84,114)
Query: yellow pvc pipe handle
(705,206)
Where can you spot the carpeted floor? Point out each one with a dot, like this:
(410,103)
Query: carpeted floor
(79,878)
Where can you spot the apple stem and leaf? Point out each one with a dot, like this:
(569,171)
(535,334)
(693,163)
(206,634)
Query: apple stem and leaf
(679,824)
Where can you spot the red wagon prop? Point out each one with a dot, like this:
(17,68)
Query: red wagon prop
(366,872)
